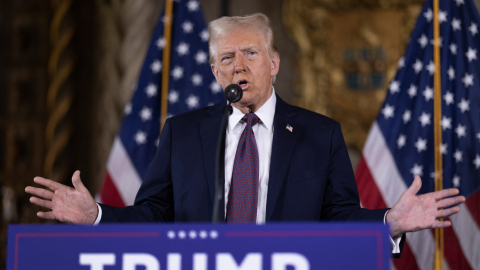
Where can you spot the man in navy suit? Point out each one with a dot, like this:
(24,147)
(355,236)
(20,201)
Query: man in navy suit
(304,172)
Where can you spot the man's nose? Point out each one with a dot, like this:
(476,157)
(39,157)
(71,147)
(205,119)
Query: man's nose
(239,63)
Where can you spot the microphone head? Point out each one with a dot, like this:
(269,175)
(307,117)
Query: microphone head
(233,93)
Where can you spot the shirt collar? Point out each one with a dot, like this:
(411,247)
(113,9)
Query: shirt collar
(265,113)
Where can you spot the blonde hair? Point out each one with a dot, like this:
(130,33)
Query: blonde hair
(219,28)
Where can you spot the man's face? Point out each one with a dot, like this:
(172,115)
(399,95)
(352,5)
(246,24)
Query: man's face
(242,58)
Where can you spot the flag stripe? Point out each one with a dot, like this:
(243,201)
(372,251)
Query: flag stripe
(372,198)
(109,194)
(473,205)
(453,253)
(122,172)
(468,235)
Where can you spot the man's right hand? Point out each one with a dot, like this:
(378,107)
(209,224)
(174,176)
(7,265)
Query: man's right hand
(70,205)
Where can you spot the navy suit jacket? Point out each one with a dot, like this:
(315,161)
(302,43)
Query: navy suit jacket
(311,177)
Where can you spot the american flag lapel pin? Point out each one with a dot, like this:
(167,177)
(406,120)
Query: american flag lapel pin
(290,128)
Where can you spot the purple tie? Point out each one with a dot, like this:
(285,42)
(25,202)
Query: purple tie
(243,195)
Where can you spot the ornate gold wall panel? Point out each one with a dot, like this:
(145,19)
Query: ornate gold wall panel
(348,53)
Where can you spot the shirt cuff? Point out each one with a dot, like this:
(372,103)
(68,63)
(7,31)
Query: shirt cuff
(99,216)
(394,241)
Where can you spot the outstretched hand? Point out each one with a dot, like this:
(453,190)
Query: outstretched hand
(417,212)
(70,205)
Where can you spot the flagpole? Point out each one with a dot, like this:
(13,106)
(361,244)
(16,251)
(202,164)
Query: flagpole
(168,19)
(437,114)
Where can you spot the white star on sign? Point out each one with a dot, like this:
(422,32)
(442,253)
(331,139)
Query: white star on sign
(464,105)
(182,234)
(394,87)
(192,234)
(171,234)
(160,43)
(151,90)
(140,137)
(431,68)
(203,234)
(401,63)
(182,48)
(473,29)
(442,16)
(459,2)
(215,87)
(201,57)
(412,91)
(456,181)
(428,93)
(446,123)
(156,66)
(476,161)
(458,156)
(421,145)
(461,131)
(177,73)
(423,40)
(145,114)
(204,35)
(128,109)
(451,73)
(428,15)
(471,54)
(424,119)
(418,66)
(407,115)
(417,170)
(456,24)
(453,48)
(388,111)
(468,80)
(192,101)
(401,141)
(213,234)
(173,97)
(192,5)
(443,149)
(187,27)
(448,98)
(196,79)
(478,136)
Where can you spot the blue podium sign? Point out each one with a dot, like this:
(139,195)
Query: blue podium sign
(285,246)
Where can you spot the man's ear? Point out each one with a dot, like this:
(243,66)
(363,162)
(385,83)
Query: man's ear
(275,65)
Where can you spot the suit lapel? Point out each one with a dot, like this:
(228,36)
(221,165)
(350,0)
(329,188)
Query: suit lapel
(282,150)
(209,132)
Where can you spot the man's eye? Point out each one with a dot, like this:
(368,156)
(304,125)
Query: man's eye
(227,58)
(252,53)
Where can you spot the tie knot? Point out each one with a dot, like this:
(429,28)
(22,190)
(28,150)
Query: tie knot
(251,119)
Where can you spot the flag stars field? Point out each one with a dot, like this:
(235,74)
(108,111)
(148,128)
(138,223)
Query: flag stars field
(182,48)
(407,115)
(428,15)
(468,80)
(201,57)
(394,87)
(388,111)
(453,48)
(204,35)
(431,67)
(417,170)
(446,123)
(451,73)
(173,96)
(215,87)
(197,79)
(421,145)
(402,139)
(423,40)
(177,72)
(473,29)
(156,66)
(456,24)
(192,101)
(187,27)
(418,66)
(192,5)
(444,148)
(458,155)
(412,91)
(471,54)
(145,114)
(151,90)
(456,181)
(424,119)
(464,105)
(448,97)
(140,137)
(461,131)
(428,93)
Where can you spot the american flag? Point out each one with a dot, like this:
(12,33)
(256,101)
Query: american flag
(401,141)
(191,86)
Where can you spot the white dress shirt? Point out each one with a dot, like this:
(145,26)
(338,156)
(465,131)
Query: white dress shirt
(263,132)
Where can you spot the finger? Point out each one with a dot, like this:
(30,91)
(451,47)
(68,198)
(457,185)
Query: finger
(48,183)
(448,212)
(444,193)
(40,192)
(76,181)
(46,215)
(416,185)
(40,202)
(441,224)
(450,201)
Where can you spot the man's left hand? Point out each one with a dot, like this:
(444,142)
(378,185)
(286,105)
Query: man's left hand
(417,212)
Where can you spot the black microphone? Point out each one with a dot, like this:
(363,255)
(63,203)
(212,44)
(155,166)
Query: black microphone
(233,93)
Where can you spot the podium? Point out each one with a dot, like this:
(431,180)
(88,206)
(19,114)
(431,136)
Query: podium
(283,246)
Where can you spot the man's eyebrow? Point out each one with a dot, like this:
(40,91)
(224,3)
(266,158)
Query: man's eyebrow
(248,48)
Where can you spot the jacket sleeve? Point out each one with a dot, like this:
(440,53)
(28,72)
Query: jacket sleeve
(154,200)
